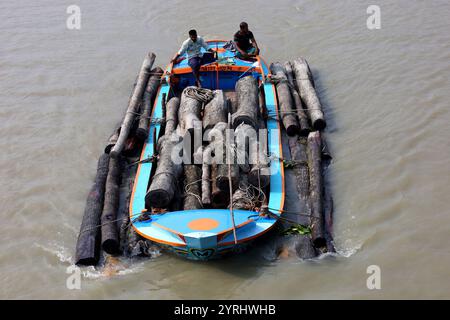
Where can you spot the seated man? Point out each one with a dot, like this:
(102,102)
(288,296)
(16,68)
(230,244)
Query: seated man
(192,46)
(245,48)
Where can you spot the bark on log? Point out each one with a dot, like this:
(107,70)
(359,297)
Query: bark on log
(112,140)
(248,102)
(316,188)
(165,179)
(222,178)
(232,97)
(189,117)
(206,176)
(240,197)
(149,97)
(164,182)
(110,236)
(215,111)
(328,218)
(259,175)
(285,101)
(172,115)
(87,249)
(308,94)
(188,113)
(219,198)
(296,203)
(305,127)
(133,105)
(246,142)
(326,154)
(192,199)
(298,149)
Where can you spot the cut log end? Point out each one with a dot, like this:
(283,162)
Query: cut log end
(320,242)
(292,130)
(88,261)
(111,246)
(303,132)
(158,198)
(319,124)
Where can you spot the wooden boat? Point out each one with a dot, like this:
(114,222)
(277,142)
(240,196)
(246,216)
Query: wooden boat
(209,233)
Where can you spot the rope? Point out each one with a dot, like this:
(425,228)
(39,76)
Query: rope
(135,217)
(152,159)
(193,194)
(200,94)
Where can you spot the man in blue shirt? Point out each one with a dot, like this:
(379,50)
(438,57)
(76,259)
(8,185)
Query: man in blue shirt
(193,47)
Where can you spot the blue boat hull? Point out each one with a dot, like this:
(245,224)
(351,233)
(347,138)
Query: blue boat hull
(208,233)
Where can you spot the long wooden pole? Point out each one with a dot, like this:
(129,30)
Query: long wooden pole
(133,105)
(230,184)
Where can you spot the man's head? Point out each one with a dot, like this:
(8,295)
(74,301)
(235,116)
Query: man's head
(243,27)
(193,35)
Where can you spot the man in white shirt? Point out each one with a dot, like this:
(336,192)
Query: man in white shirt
(193,47)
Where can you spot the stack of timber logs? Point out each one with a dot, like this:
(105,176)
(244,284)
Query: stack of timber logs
(308,199)
(204,178)
(105,224)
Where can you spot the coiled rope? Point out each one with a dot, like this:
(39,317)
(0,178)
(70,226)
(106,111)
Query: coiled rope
(201,94)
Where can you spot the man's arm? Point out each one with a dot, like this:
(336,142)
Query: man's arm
(205,45)
(242,52)
(255,44)
(182,50)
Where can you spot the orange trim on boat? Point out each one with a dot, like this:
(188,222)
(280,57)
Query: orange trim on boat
(173,244)
(212,68)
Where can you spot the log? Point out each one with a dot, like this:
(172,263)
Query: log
(215,111)
(133,104)
(148,99)
(110,236)
(189,113)
(285,102)
(326,154)
(328,218)
(308,94)
(297,204)
(87,249)
(164,182)
(229,156)
(240,197)
(316,188)
(259,175)
(219,198)
(172,115)
(304,245)
(246,146)
(206,176)
(232,97)
(305,127)
(126,189)
(192,199)
(189,117)
(263,113)
(248,102)
(112,140)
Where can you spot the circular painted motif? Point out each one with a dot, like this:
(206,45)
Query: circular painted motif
(203,224)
